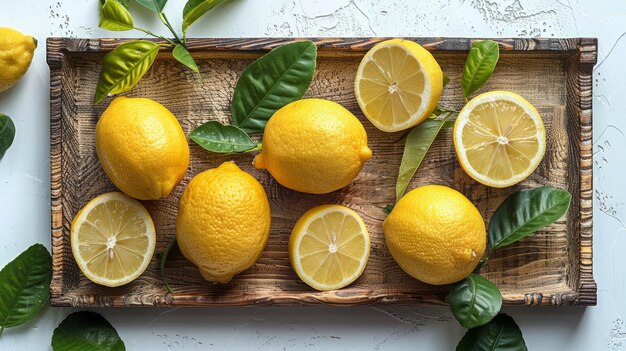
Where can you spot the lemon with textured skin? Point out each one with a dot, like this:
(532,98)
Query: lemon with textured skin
(16,54)
(435,234)
(223,222)
(142,148)
(398,84)
(329,247)
(113,239)
(314,146)
(499,138)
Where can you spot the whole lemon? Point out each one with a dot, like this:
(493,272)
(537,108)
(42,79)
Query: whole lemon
(223,222)
(142,148)
(435,234)
(16,54)
(314,146)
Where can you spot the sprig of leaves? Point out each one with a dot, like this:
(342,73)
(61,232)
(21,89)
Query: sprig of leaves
(25,286)
(475,301)
(7,133)
(480,64)
(123,68)
(86,331)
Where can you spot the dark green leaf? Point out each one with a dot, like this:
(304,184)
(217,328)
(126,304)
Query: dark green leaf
(7,133)
(446,80)
(183,56)
(25,286)
(525,212)
(448,124)
(114,16)
(86,331)
(163,260)
(194,9)
(281,76)
(501,334)
(417,143)
(153,5)
(480,63)
(224,139)
(123,2)
(387,209)
(475,301)
(123,67)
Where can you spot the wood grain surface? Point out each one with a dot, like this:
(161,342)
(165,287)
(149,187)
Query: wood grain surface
(552,267)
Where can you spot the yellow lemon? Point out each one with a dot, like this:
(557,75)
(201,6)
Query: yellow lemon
(16,54)
(142,148)
(112,239)
(435,234)
(398,84)
(329,247)
(499,138)
(223,222)
(314,146)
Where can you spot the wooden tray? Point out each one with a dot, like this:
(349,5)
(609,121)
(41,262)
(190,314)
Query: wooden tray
(552,267)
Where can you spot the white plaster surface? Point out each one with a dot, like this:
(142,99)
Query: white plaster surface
(24,174)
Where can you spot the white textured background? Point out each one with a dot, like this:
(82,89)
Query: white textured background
(24,174)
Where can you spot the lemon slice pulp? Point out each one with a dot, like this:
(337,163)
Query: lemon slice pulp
(113,239)
(398,84)
(329,247)
(499,138)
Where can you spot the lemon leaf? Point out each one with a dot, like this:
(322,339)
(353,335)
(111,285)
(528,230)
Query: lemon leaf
(123,2)
(194,9)
(224,139)
(417,143)
(7,133)
(474,301)
(163,260)
(123,67)
(446,80)
(115,16)
(153,5)
(502,333)
(524,212)
(280,77)
(183,56)
(86,331)
(480,64)
(25,286)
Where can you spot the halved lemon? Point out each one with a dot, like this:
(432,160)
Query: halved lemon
(398,84)
(329,247)
(499,138)
(113,239)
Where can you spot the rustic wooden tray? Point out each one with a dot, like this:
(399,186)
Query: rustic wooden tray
(552,267)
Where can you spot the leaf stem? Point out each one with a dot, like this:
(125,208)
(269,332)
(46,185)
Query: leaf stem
(155,35)
(162,263)
(169,26)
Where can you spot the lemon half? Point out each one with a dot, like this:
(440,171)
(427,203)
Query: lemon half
(499,138)
(329,247)
(398,84)
(113,239)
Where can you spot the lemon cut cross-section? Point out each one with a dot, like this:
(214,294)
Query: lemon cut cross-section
(499,138)
(329,247)
(398,84)
(113,239)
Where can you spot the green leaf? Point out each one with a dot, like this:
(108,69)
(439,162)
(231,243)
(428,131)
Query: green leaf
(114,16)
(86,331)
(223,139)
(7,133)
(387,209)
(480,63)
(123,67)
(501,334)
(163,260)
(194,9)
(25,286)
(475,301)
(123,2)
(446,80)
(153,5)
(417,143)
(525,212)
(183,56)
(281,76)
